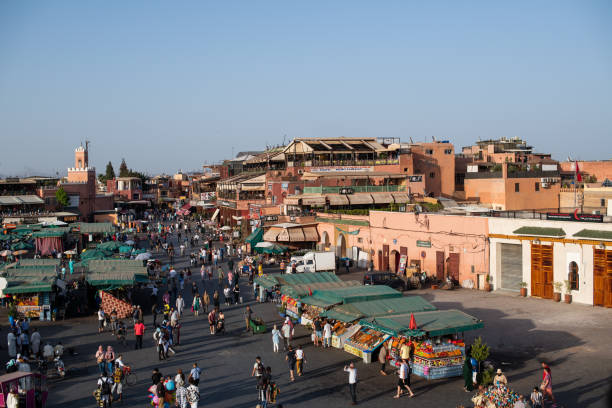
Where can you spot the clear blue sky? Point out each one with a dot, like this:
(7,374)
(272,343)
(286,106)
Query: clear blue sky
(171,85)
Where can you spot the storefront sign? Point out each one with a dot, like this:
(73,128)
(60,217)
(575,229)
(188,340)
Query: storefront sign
(341,169)
(424,244)
(223,203)
(575,216)
(415,179)
(402,264)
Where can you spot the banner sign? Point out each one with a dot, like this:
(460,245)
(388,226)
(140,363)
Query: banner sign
(575,216)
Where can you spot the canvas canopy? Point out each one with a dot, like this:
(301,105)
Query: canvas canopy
(357,294)
(431,324)
(255,237)
(305,289)
(28,287)
(269,281)
(381,307)
(94,227)
(39,262)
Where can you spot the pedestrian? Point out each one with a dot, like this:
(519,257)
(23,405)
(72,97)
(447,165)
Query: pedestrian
(109,357)
(300,359)
(291,360)
(156,376)
(205,301)
(352,381)
(35,341)
(24,340)
(12,344)
(318,331)
(212,321)
(117,384)
(286,332)
(276,338)
(155,311)
(193,394)
(247,318)
(195,374)
(327,334)
(537,400)
(99,359)
(195,290)
(236,293)
(347,264)
(221,276)
(468,383)
(179,379)
(105,385)
(12,399)
(196,305)
(101,318)
(202,272)
(227,295)
(258,369)
(215,299)
(181,395)
(382,358)
(404,379)
(180,305)
(139,329)
(546,385)
(262,387)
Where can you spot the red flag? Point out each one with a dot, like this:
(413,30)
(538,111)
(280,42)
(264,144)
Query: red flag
(310,291)
(578,175)
(413,324)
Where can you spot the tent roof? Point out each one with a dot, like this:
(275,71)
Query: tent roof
(594,234)
(381,307)
(28,287)
(271,280)
(304,289)
(39,262)
(541,231)
(255,236)
(434,323)
(94,227)
(51,232)
(356,294)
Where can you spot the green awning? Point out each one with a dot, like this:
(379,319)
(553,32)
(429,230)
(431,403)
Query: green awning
(275,249)
(21,245)
(266,281)
(305,289)
(125,249)
(295,279)
(341,316)
(315,301)
(380,307)
(39,262)
(109,246)
(594,234)
(540,231)
(28,288)
(357,294)
(431,324)
(93,227)
(255,237)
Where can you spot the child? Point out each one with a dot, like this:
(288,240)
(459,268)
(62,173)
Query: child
(536,398)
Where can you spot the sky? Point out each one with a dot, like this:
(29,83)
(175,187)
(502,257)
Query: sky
(175,85)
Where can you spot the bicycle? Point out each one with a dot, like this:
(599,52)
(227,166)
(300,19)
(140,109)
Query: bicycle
(129,377)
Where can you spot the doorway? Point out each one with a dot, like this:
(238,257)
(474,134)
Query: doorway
(602,277)
(453,266)
(440,265)
(542,270)
(395,258)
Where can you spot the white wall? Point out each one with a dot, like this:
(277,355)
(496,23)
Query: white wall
(563,253)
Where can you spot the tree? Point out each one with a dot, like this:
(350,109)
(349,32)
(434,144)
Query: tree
(123,169)
(110,172)
(480,351)
(62,197)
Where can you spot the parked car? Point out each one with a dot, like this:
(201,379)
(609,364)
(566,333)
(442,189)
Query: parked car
(384,278)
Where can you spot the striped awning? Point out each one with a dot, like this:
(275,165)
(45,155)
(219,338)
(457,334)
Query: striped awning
(337,199)
(360,198)
(382,198)
(401,198)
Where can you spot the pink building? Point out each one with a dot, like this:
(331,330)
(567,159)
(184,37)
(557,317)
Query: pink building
(439,244)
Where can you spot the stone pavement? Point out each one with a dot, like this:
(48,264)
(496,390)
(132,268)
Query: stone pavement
(573,339)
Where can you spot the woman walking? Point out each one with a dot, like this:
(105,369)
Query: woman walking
(216,299)
(236,293)
(196,305)
(100,359)
(205,301)
(546,385)
(276,338)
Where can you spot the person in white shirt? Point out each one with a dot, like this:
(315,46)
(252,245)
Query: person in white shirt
(327,334)
(404,379)
(299,360)
(100,321)
(180,305)
(48,352)
(352,380)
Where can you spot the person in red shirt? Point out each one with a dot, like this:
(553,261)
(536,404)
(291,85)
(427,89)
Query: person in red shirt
(139,329)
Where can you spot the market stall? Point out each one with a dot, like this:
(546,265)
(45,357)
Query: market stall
(346,315)
(433,340)
(365,341)
(31,288)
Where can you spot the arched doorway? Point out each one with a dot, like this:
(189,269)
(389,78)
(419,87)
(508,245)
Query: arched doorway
(394,261)
(325,244)
(341,246)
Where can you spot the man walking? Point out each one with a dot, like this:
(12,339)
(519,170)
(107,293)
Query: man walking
(139,329)
(195,374)
(291,360)
(247,318)
(180,305)
(327,334)
(352,380)
(404,379)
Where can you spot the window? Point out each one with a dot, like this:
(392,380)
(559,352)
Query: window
(432,175)
(429,151)
(573,277)
(537,186)
(517,187)
(448,151)
(602,202)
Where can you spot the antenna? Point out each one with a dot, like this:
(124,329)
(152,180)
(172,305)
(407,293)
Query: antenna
(411,141)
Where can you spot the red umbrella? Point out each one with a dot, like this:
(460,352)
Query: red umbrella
(413,324)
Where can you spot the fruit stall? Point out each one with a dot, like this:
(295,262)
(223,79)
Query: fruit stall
(364,342)
(341,331)
(433,337)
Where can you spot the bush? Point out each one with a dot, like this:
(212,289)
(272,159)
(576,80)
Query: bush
(480,351)
(486,377)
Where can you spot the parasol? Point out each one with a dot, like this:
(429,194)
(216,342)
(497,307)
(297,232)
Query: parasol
(413,323)
(143,257)
(130,242)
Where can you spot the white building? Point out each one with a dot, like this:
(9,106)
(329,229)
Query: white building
(543,252)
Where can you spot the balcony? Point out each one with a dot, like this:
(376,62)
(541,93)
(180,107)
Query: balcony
(356,189)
